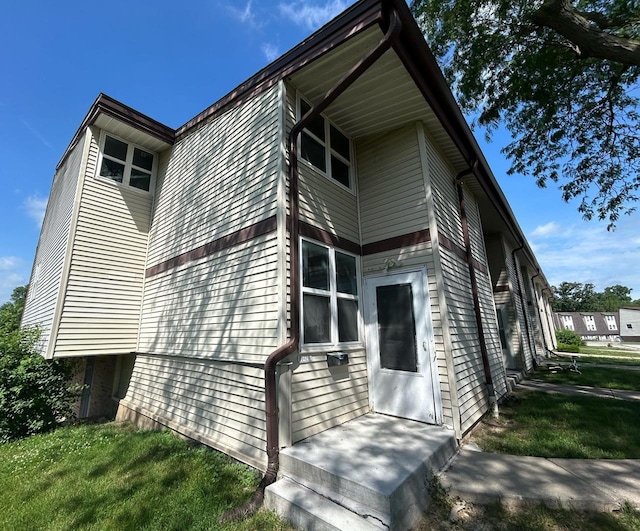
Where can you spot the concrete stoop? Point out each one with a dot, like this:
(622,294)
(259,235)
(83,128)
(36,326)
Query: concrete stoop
(514,378)
(371,473)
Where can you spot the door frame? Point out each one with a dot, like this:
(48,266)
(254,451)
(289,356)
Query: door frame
(432,362)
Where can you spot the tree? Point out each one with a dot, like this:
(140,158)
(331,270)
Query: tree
(560,75)
(11,312)
(34,393)
(573,297)
(613,298)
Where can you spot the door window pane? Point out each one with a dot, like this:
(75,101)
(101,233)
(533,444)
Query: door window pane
(315,266)
(347,320)
(346,274)
(396,328)
(317,319)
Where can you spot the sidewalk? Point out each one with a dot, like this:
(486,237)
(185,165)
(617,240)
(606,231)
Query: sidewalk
(594,484)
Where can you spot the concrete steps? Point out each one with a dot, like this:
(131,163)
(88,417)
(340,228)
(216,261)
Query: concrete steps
(371,473)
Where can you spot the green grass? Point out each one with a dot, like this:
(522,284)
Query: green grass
(553,425)
(609,355)
(113,477)
(605,377)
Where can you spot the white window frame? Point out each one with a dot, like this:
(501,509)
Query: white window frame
(611,322)
(128,164)
(589,323)
(567,322)
(328,150)
(333,295)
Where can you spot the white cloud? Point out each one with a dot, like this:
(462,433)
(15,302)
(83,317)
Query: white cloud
(549,229)
(312,16)
(588,253)
(35,207)
(246,15)
(270,51)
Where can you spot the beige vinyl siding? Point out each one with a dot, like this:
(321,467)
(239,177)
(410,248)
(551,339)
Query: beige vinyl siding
(487,303)
(323,202)
(222,306)
(46,278)
(324,397)
(472,396)
(444,193)
(101,311)
(219,404)
(219,179)
(391,185)
(393,202)
(521,328)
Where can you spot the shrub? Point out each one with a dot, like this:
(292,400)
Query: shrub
(567,337)
(563,347)
(34,393)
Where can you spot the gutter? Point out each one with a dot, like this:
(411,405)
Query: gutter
(278,355)
(493,402)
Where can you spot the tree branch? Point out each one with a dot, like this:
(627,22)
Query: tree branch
(563,18)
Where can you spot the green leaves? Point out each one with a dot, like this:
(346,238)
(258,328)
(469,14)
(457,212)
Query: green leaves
(573,118)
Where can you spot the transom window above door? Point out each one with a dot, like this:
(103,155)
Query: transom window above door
(330,296)
(126,163)
(326,148)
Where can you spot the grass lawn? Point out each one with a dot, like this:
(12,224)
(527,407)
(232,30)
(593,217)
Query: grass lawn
(553,425)
(614,355)
(112,476)
(593,376)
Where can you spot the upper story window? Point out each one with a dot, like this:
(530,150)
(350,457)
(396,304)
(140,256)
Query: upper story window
(611,322)
(326,148)
(330,299)
(590,323)
(567,322)
(126,163)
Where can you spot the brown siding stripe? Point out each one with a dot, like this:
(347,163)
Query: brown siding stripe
(397,242)
(460,252)
(326,237)
(243,235)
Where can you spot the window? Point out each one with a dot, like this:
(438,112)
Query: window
(326,148)
(567,322)
(589,322)
(611,322)
(126,164)
(629,326)
(330,301)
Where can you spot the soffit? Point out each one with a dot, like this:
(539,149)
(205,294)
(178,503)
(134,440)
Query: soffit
(130,133)
(385,97)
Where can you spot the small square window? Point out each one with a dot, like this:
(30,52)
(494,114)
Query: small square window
(126,164)
(629,325)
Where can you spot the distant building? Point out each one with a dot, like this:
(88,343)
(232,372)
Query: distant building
(630,324)
(591,326)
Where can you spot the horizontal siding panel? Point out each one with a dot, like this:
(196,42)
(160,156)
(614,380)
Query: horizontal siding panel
(220,178)
(46,278)
(221,403)
(107,269)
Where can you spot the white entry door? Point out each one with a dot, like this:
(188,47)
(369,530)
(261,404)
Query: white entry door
(400,351)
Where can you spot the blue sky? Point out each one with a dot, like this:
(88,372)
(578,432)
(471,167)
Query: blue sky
(170,60)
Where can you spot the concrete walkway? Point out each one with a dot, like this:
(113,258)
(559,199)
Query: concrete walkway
(594,484)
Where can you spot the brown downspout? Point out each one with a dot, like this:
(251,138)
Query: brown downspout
(278,355)
(493,402)
(523,303)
